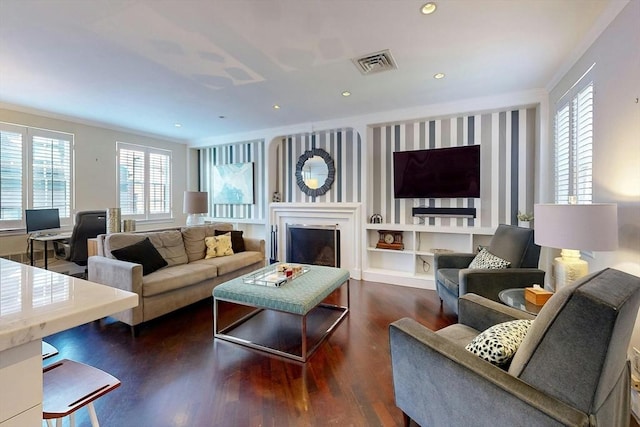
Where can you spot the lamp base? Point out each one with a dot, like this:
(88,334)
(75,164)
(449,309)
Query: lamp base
(195,219)
(568,268)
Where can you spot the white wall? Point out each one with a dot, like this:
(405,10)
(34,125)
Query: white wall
(95,167)
(616,157)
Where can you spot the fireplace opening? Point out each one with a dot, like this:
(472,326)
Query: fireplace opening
(313,244)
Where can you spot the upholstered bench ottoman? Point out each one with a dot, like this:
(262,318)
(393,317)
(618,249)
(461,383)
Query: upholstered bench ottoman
(300,296)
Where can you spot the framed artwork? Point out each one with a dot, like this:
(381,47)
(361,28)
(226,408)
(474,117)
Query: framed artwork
(232,184)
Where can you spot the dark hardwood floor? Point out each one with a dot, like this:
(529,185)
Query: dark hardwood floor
(175,374)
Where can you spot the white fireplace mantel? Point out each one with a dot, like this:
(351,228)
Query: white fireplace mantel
(347,216)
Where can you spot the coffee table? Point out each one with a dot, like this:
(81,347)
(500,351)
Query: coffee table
(514,297)
(302,297)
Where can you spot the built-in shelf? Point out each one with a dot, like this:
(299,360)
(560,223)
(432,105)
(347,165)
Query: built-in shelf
(413,266)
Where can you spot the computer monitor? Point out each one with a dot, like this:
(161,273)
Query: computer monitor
(42,219)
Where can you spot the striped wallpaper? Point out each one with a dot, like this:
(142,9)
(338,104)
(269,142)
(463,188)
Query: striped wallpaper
(343,145)
(507,140)
(241,152)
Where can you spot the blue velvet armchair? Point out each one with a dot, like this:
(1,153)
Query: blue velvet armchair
(514,244)
(570,369)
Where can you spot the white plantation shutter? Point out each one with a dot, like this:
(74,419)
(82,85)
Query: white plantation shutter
(51,174)
(11,181)
(159,183)
(144,182)
(583,145)
(574,145)
(131,176)
(36,171)
(562,156)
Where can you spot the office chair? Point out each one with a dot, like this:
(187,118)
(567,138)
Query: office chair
(88,225)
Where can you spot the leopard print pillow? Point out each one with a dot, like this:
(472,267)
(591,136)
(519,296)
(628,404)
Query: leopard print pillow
(486,260)
(500,342)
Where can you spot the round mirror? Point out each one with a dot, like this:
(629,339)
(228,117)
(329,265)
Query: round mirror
(315,172)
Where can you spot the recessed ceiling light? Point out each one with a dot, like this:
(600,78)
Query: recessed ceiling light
(178,125)
(276,107)
(222,117)
(438,76)
(346,93)
(428,8)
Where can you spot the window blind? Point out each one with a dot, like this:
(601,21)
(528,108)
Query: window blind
(51,174)
(144,182)
(573,154)
(11,182)
(131,185)
(36,171)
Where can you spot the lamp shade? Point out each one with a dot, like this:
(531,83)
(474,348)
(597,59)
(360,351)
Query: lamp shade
(196,202)
(588,227)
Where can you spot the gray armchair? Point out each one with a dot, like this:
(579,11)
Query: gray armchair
(571,368)
(511,243)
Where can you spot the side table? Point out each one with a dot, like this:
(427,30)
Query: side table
(514,297)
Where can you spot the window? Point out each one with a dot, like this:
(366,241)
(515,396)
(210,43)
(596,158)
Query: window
(574,144)
(144,182)
(36,171)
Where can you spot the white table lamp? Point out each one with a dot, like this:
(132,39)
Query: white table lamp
(196,203)
(572,228)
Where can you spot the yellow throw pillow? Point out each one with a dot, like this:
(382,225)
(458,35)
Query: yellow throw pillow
(218,246)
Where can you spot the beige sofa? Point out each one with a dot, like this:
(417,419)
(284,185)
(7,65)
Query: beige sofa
(187,278)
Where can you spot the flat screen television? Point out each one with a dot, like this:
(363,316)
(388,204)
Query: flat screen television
(42,219)
(437,173)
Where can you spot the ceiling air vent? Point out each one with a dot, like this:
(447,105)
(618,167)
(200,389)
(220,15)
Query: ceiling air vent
(375,62)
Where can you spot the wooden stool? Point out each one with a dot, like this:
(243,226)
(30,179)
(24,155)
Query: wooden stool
(69,385)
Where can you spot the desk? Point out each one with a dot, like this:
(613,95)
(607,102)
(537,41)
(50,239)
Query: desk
(46,239)
(37,303)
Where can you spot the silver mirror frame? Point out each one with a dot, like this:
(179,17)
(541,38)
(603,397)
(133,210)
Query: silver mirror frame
(314,192)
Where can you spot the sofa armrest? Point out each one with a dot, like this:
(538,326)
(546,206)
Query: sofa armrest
(425,364)
(489,283)
(452,260)
(481,313)
(115,273)
(253,244)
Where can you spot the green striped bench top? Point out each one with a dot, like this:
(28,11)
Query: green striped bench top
(298,296)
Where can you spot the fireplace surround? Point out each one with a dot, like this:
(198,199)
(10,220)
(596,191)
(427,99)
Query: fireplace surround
(347,216)
(313,244)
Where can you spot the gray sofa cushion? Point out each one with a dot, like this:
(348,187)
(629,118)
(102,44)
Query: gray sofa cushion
(176,277)
(193,238)
(169,243)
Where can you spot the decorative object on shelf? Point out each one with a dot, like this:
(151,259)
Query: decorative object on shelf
(375,219)
(525,219)
(113,220)
(570,227)
(276,197)
(315,172)
(390,240)
(196,203)
(129,225)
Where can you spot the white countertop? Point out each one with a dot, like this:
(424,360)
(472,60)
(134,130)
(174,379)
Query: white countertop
(35,303)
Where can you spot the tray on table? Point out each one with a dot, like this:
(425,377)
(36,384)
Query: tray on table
(273,277)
